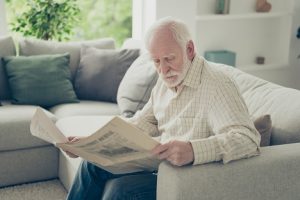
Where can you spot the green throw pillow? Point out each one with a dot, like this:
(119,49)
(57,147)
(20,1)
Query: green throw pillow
(43,80)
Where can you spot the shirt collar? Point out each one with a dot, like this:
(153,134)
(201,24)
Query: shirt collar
(193,76)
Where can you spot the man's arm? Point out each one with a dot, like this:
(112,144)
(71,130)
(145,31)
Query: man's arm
(234,135)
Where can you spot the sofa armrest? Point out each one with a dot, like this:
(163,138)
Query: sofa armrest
(275,174)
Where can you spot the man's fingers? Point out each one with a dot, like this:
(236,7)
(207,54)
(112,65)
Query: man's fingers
(72,139)
(175,159)
(165,154)
(159,149)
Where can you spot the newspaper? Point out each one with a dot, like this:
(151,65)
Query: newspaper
(118,146)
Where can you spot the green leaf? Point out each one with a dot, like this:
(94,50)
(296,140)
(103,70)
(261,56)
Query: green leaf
(71,19)
(43,17)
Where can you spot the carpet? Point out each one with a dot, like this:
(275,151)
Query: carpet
(47,190)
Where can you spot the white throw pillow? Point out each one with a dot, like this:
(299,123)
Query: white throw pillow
(136,86)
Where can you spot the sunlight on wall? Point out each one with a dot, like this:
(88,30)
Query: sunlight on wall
(3,24)
(143,15)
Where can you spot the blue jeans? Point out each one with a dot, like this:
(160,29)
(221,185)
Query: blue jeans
(91,182)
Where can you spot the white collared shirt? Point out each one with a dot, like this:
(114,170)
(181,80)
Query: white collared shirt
(208,111)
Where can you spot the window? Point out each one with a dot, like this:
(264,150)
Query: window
(98,18)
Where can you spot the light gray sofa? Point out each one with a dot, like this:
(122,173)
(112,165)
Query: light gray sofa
(272,175)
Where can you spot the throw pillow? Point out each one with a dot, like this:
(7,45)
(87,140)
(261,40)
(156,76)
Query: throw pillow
(43,80)
(29,47)
(100,72)
(136,86)
(7,48)
(263,124)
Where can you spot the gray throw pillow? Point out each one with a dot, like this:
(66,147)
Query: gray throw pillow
(7,48)
(136,86)
(43,80)
(263,125)
(100,72)
(30,47)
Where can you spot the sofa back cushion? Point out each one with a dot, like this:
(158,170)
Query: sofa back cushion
(263,125)
(7,48)
(263,97)
(100,72)
(30,47)
(136,86)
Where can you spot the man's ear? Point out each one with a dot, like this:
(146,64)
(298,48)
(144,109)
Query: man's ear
(190,50)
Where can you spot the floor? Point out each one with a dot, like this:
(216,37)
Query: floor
(46,190)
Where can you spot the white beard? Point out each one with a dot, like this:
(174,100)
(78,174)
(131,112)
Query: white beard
(173,78)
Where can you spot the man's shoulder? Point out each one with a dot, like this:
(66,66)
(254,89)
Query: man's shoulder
(217,74)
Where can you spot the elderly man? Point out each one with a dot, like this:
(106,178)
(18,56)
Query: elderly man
(196,110)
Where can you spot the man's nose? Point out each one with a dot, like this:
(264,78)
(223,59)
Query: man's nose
(164,68)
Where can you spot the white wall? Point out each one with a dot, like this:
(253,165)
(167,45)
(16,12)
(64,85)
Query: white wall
(3,24)
(289,77)
(183,10)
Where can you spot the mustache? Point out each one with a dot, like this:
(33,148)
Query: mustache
(171,73)
(185,65)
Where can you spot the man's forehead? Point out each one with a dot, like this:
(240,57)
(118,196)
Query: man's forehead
(167,55)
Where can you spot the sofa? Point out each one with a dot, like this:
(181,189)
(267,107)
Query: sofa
(25,158)
(272,175)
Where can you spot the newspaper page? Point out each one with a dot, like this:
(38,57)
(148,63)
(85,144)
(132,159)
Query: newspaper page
(117,147)
(42,127)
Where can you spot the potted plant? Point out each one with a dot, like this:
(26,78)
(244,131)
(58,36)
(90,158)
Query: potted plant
(47,19)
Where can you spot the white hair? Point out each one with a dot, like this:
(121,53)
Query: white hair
(178,29)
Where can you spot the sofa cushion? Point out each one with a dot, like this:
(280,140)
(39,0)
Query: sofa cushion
(30,47)
(27,165)
(15,127)
(7,48)
(100,72)
(136,86)
(43,80)
(85,108)
(282,103)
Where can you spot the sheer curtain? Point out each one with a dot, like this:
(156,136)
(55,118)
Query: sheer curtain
(3,23)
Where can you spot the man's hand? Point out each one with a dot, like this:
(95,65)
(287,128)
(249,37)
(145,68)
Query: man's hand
(72,139)
(178,153)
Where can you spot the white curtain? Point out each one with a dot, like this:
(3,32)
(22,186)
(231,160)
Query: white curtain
(3,23)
